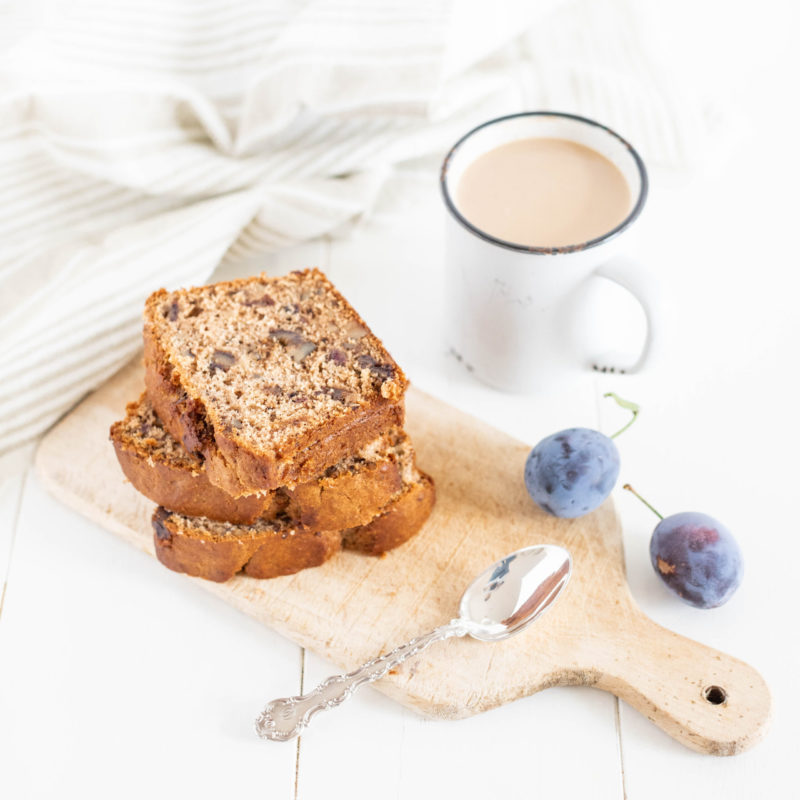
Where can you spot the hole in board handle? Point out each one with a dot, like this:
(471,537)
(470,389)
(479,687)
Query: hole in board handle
(715,695)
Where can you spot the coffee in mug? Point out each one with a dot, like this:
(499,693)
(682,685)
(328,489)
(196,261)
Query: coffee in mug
(539,204)
(543,192)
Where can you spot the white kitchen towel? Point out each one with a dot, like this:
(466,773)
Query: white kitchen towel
(144,141)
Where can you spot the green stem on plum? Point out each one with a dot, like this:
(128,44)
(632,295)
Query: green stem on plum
(626,404)
(631,489)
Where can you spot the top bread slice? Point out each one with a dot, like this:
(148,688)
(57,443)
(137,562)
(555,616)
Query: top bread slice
(271,380)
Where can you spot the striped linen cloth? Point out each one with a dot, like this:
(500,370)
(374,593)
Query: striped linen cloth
(144,142)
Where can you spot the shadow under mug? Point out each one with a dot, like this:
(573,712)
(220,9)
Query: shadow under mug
(513,312)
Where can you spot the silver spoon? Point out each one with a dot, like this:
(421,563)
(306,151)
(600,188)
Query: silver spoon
(503,600)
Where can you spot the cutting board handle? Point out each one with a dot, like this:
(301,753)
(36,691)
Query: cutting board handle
(709,701)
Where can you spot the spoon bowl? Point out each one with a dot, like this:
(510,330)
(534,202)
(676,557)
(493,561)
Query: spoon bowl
(511,594)
(502,601)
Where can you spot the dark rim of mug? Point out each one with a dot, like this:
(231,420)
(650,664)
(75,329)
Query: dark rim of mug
(547,251)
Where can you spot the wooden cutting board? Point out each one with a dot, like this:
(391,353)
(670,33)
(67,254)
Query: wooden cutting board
(355,607)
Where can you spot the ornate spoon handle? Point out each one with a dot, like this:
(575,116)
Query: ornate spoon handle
(284,718)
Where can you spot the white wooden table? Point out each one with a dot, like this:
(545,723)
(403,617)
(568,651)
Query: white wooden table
(121,679)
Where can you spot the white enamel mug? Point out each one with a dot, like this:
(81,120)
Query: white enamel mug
(514,312)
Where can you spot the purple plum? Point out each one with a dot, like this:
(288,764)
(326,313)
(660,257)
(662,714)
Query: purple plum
(697,558)
(570,473)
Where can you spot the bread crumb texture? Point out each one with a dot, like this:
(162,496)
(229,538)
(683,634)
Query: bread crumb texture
(280,527)
(272,359)
(141,432)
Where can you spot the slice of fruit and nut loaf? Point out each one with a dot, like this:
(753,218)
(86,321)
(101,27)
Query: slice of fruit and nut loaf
(216,551)
(272,380)
(348,494)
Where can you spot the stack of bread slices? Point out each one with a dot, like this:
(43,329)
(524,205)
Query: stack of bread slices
(270,434)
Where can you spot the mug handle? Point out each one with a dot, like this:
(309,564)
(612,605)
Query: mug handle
(640,282)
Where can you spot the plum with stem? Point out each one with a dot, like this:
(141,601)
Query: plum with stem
(695,556)
(570,473)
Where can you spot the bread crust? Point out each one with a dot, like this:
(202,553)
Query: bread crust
(268,554)
(334,502)
(309,549)
(235,465)
(398,522)
(329,502)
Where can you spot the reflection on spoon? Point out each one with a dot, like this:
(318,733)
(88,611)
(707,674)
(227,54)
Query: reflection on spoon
(545,593)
